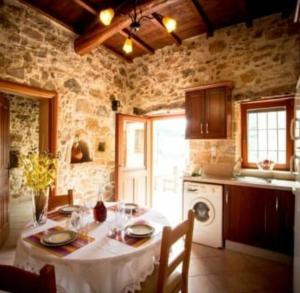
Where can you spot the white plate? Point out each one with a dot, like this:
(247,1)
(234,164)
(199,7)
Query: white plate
(59,238)
(139,230)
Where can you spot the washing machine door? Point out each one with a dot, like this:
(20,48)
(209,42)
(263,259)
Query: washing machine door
(204,211)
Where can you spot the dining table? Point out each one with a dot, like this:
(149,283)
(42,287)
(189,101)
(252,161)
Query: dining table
(97,261)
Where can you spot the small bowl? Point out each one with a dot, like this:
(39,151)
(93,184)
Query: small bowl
(266,165)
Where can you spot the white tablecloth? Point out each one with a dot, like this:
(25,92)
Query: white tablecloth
(104,265)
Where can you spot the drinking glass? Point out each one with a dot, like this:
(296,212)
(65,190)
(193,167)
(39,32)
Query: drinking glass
(75,220)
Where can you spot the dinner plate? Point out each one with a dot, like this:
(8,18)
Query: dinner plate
(58,238)
(131,207)
(139,230)
(68,210)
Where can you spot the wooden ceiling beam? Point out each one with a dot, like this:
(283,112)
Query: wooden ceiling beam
(137,40)
(99,34)
(158,19)
(118,54)
(86,6)
(205,18)
(297,13)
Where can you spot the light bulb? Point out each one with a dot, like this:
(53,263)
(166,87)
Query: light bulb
(106,16)
(169,23)
(127,47)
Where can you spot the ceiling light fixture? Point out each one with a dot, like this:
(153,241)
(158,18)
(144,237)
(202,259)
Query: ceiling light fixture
(128,46)
(106,16)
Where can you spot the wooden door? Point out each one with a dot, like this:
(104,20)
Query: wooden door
(133,149)
(4,161)
(244,215)
(279,234)
(195,114)
(216,112)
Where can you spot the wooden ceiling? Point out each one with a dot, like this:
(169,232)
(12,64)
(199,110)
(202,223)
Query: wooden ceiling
(193,17)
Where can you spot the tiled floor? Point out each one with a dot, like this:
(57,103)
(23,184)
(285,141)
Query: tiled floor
(217,271)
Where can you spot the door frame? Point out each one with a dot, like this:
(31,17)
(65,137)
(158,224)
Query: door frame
(48,114)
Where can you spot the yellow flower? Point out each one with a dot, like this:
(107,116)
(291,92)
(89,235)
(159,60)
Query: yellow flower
(39,170)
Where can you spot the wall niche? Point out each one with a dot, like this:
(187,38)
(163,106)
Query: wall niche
(80,152)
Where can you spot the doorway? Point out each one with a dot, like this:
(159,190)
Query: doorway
(151,157)
(169,162)
(28,113)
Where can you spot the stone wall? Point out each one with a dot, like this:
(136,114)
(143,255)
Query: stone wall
(24,138)
(263,60)
(38,52)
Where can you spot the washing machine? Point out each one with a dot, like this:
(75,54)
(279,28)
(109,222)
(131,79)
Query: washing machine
(206,200)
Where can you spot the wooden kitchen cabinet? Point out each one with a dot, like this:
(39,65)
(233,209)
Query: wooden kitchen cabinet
(208,111)
(259,217)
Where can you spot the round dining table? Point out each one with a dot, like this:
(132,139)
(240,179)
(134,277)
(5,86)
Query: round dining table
(104,264)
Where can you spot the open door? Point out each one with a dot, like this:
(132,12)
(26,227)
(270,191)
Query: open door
(4,161)
(133,159)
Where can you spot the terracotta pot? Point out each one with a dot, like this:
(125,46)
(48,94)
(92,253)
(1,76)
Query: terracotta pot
(76,153)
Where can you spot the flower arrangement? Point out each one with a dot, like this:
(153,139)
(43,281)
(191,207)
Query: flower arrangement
(39,170)
(40,173)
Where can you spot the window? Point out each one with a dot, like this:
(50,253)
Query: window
(265,132)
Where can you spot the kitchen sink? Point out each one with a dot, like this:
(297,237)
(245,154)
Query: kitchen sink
(251,179)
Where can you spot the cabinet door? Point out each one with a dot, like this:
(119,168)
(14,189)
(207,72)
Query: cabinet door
(195,111)
(244,215)
(279,234)
(216,112)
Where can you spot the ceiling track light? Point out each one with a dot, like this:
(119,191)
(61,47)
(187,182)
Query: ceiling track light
(106,16)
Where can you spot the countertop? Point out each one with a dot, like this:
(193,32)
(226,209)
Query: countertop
(277,184)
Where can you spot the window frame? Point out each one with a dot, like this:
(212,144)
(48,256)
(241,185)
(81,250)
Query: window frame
(288,103)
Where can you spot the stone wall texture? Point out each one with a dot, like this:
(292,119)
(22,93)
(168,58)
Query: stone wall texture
(24,138)
(38,52)
(262,60)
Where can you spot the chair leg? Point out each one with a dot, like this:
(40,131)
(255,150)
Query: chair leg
(184,285)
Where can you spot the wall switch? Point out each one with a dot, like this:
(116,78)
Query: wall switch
(213,151)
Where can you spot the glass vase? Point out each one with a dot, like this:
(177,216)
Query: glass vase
(40,206)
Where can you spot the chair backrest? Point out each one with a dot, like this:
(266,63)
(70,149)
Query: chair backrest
(60,200)
(13,279)
(169,237)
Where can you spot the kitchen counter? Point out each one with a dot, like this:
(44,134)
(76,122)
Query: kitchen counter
(248,181)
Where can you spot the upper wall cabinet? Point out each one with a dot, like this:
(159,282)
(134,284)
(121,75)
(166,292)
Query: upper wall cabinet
(208,111)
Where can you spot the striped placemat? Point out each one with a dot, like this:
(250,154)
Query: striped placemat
(81,241)
(137,213)
(131,241)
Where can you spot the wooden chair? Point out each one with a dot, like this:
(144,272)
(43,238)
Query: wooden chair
(13,279)
(60,200)
(165,278)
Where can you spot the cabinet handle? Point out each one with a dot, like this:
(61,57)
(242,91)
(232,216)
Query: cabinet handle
(207,128)
(276,204)
(201,128)
(226,197)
